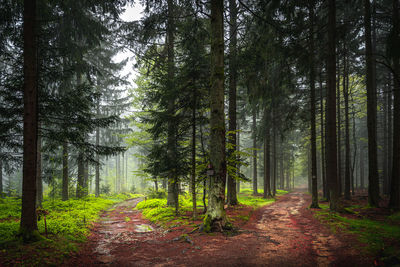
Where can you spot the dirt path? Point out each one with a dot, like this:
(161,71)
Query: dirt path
(282,234)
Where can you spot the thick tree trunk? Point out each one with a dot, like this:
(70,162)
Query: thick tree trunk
(215,218)
(28,226)
(331,145)
(394,201)
(255,191)
(373,178)
(231,195)
(314,184)
(65,171)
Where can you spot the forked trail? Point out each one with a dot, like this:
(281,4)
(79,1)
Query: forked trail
(282,234)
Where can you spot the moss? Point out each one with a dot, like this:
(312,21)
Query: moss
(29,236)
(207,224)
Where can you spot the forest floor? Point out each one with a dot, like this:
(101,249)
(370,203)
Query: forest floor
(285,233)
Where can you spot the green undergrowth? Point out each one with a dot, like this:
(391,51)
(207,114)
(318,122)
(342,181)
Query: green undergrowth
(246,197)
(68,223)
(380,237)
(157,211)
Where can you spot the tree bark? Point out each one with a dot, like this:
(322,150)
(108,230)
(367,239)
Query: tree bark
(331,145)
(323,171)
(231,195)
(255,191)
(373,178)
(39,181)
(267,162)
(171,139)
(80,186)
(97,178)
(347,128)
(1,178)
(28,225)
(193,173)
(215,218)
(314,183)
(394,201)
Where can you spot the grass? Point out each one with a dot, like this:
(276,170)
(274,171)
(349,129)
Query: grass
(68,223)
(378,236)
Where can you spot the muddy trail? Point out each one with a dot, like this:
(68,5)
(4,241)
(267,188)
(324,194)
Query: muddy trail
(284,233)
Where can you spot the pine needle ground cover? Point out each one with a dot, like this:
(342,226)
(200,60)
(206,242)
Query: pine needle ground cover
(68,223)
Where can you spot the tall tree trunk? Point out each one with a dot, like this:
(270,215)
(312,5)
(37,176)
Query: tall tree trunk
(215,218)
(390,130)
(1,178)
(274,160)
(172,179)
(80,186)
(39,181)
(255,191)
(267,162)
(65,171)
(193,174)
(314,183)
(373,178)
(362,168)
(323,171)
(331,145)
(86,188)
(97,179)
(238,166)
(339,132)
(28,225)
(231,195)
(282,178)
(347,126)
(394,201)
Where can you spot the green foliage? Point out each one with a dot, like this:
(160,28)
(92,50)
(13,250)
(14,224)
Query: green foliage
(151,193)
(246,197)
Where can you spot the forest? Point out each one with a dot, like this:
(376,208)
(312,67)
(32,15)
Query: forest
(200,133)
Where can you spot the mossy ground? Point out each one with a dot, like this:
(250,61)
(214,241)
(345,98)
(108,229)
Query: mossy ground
(68,224)
(378,236)
(157,211)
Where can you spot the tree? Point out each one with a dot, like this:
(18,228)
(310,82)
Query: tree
(373,178)
(215,219)
(28,226)
(331,147)
(314,185)
(231,195)
(393,49)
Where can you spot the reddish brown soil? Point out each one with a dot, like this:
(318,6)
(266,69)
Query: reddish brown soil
(282,234)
